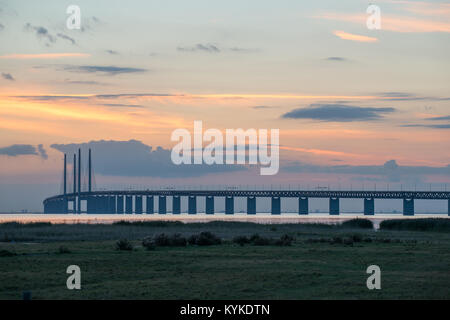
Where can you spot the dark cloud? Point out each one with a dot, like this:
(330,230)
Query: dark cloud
(52,98)
(42,152)
(135,159)
(112,52)
(133,95)
(63,36)
(390,170)
(200,47)
(431,126)
(439,118)
(119,105)
(405,96)
(340,59)
(40,32)
(337,113)
(83,82)
(23,150)
(110,70)
(8,76)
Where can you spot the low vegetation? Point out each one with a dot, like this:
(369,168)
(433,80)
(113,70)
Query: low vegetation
(427,224)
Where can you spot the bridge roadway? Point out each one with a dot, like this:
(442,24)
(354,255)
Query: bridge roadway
(131,201)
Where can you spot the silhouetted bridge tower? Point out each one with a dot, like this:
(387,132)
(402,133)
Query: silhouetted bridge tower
(129,202)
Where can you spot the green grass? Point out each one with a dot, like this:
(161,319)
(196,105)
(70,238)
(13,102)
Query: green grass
(414,265)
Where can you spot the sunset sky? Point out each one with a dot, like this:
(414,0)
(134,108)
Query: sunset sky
(354,106)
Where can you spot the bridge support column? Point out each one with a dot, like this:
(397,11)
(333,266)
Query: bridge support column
(209,205)
(90,204)
(276,205)
(303,205)
(112,205)
(251,205)
(176,205)
(162,205)
(120,204)
(138,204)
(449,207)
(229,205)
(128,204)
(192,205)
(98,204)
(105,204)
(408,207)
(334,206)
(149,204)
(369,206)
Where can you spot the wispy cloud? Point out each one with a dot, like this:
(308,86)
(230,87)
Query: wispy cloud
(337,113)
(112,52)
(200,47)
(40,32)
(16,150)
(394,23)
(110,70)
(65,37)
(338,59)
(45,55)
(353,37)
(8,76)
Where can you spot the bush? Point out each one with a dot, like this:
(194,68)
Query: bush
(149,243)
(356,237)
(149,223)
(63,250)
(285,240)
(358,223)
(205,238)
(426,224)
(7,253)
(124,245)
(257,240)
(241,240)
(175,240)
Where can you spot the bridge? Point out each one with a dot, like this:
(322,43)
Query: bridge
(132,201)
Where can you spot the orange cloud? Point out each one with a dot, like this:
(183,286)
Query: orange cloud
(353,37)
(45,56)
(393,22)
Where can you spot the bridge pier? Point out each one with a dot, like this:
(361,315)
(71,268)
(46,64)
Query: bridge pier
(129,204)
(229,205)
(112,204)
(276,205)
(192,205)
(162,205)
(448,207)
(251,205)
(408,207)
(369,206)
(209,205)
(149,205)
(334,206)
(98,204)
(176,205)
(303,206)
(120,204)
(138,204)
(90,204)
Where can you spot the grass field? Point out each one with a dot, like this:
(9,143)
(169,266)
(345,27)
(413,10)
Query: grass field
(414,265)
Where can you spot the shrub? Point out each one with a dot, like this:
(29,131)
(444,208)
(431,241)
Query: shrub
(356,237)
(425,224)
(149,243)
(358,223)
(124,245)
(348,241)
(205,238)
(285,240)
(257,240)
(337,240)
(161,240)
(7,253)
(63,250)
(241,240)
(176,240)
(149,223)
